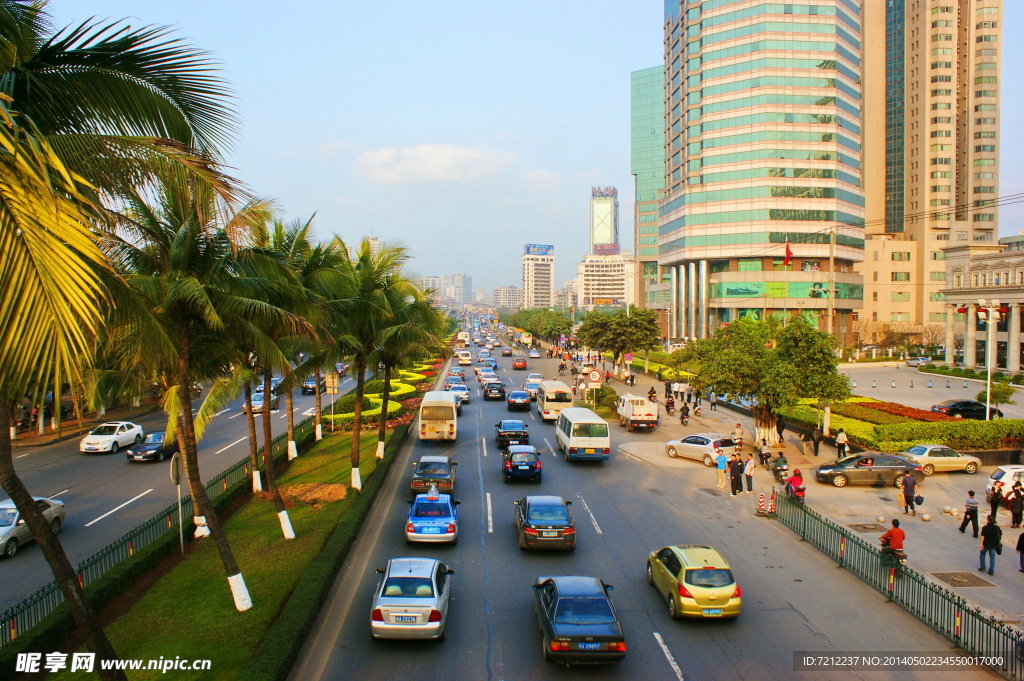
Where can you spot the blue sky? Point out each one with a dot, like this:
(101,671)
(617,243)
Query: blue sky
(461,129)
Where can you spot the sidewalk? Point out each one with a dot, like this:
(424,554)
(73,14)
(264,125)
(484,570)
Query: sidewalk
(70,427)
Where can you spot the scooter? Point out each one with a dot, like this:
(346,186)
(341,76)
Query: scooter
(684,419)
(670,407)
(781,472)
(892,557)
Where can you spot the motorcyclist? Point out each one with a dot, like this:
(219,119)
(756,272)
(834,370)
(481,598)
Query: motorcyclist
(561,368)
(795,485)
(670,405)
(652,395)
(684,413)
(737,437)
(778,462)
(892,541)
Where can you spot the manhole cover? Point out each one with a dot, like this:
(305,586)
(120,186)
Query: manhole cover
(958,579)
(886,497)
(867,527)
(712,491)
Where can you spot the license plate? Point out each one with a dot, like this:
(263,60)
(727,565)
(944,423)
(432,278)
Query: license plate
(405,618)
(590,646)
(513,442)
(523,468)
(430,530)
(138,458)
(549,534)
(712,611)
(589,451)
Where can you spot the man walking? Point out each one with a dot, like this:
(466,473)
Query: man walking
(841,441)
(970,513)
(909,484)
(816,436)
(991,543)
(714,401)
(668,389)
(689,393)
(780,428)
(720,462)
(748,473)
(736,474)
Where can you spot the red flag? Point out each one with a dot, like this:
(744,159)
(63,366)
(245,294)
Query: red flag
(789,254)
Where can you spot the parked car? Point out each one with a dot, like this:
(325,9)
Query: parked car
(434,518)
(577,620)
(868,468)
(111,436)
(519,363)
(1006,475)
(14,533)
(433,471)
(511,432)
(153,448)
(918,361)
(966,409)
(519,399)
(704,447)
(521,462)
(411,599)
(941,458)
(696,581)
(310,386)
(544,522)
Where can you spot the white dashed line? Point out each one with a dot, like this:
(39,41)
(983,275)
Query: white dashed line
(550,449)
(222,411)
(668,656)
(236,415)
(54,496)
(587,509)
(92,522)
(483,445)
(231,445)
(490,521)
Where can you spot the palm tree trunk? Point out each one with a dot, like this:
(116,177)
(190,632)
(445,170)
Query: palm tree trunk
(357,421)
(67,581)
(268,461)
(382,426)
(289,403)
(196,489)
(319,408)
(254,443)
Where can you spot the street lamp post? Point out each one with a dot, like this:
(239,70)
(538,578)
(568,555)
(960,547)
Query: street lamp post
(990,314)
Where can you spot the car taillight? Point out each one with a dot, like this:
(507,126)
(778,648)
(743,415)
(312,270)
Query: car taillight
(451,528)
(377,615)
(451,427)
(738,592)
(410,528)
(530,531)
(508,465)
(617,646)
(559,645)
(684,592)
(569,530)
(435,616)
(572,450)
(537,465)
(606,450)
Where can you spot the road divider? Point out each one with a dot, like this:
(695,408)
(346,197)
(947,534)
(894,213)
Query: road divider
(115,510)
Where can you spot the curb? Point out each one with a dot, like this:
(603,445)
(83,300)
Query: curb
(76,433)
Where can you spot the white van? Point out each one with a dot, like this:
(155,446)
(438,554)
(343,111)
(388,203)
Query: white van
(553,397)
(465,357)
(582,434)
(439,412)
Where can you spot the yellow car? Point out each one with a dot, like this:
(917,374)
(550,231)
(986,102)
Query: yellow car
(696,581)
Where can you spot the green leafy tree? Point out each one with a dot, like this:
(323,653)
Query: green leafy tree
(1001,393)
(620,332)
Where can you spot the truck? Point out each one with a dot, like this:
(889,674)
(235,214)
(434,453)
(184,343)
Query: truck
(637,412)
(462,340)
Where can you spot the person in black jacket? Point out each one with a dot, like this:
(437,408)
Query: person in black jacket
(816,436)
(1020,550)
(991,538)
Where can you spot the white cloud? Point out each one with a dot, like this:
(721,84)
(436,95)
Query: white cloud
(431,163)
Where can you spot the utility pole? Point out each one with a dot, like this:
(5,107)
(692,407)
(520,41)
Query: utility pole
(830,314)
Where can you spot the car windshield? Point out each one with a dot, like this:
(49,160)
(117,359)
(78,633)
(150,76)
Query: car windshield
(590,430)
(583,611)
(709,577)
(430,509)
(104,430)
(7,517)
(519,395)
(155,438)
(432,468)
(998,475)
(918,450)
(523,457)
(511,425)
(408,587)
(725,443)
(548,514)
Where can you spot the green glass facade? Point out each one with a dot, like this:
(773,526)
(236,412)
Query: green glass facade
(647,164)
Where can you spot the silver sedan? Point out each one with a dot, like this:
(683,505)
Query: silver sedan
(13,530)
(410,600)
(941,458)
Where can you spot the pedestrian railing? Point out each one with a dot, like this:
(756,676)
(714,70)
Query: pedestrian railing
(996,645)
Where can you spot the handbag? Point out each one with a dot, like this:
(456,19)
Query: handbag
(918,500)
(999,549)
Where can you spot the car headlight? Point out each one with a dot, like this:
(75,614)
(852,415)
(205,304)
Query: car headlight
(128,452)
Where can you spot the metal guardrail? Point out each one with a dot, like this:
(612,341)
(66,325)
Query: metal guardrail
(21,617)
(945,611)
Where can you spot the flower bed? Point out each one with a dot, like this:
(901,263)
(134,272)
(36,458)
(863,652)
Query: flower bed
(866,412)
(909,412)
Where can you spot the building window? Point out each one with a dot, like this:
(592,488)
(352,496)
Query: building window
(900,255)
(984,217)
(957,280)
(900,276)
(750,265)
(938,255)
(900,297)
(937,276)
(984,190)
(936,297)
(936,316)
(900,317)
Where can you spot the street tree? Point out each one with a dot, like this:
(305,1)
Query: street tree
(1001,393)
(620,332)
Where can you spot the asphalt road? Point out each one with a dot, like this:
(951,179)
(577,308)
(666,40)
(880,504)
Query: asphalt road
(639,500)
(105,495)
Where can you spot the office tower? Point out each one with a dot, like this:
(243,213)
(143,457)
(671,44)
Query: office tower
(931,162)
(507,296)
(460,287)
(647,164)
(762,157)
(538,276)
(604,280)
(604,220)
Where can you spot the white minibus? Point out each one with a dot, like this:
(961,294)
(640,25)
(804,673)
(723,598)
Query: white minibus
(465,357)
(439,412)
(553,397)
(582,434)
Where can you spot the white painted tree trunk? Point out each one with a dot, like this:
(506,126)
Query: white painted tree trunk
(380,449)
(357,480)
(239,592)
(286,525)
(14,432)
(826,421)
(257,481)
(201,529)
(319,433)
(293,450)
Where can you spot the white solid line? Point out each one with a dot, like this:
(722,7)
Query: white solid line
(668,656)
(54,496)
(483,444)
(91,522)
(587,509)
(22,456)
(236,415)
(231,445)
(490,522)
(222,411)
(635,458)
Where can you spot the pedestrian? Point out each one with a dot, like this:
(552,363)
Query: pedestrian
(816,436)
(909,484)
(677,388)
(737,437)
(780,428)
(632,378)
(689,393)
(607,377)
(748,472)
(841,441)
(995,498)
(991,544)
(970,513)
(720,463)
(659,375)
(1020,550)
(714,401)
(668,389)
(736,474)
(1016,498)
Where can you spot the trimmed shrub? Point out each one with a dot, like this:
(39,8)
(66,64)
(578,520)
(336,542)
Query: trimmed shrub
(370,416)
(866,412)
(374,387)
(910,412)
(347,404)
(607,397)
(1018,379)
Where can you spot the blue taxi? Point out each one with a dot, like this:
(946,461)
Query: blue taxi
(434,517)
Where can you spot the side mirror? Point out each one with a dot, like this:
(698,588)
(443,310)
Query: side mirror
(526,425)
(449,571)
(515,503)
(608,587)
(455,463)
(21,521)
(409,501)
(379,571)
(457,503)
(568,503)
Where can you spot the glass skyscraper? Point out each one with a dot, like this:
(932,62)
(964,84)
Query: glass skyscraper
(647,164)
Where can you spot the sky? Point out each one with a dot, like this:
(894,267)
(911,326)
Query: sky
(459,129)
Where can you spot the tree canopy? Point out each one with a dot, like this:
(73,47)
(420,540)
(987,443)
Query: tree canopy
(620,332)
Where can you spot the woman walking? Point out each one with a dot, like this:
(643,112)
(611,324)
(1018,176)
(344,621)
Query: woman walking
(995,498)
(1016,501)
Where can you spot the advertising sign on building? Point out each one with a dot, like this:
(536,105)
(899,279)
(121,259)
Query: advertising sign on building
(538,249)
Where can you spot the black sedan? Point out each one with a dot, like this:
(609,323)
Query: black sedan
(311,387)
(544,522)
(868,468)
(521,462)
(511,432)
(966,409)
(494,390)
(152,448)
(578,621)
(431,471)
(519,400)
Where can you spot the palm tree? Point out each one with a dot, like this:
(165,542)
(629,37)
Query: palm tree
(50,299)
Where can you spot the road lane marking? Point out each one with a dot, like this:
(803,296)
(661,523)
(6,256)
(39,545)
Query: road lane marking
(483,444)
(54,496)
(222,411)
(112,511)
(236,415)
(231,445)
(635,458)
(551,450)
(490,521)
(309,412)
(668,656)
(587,509)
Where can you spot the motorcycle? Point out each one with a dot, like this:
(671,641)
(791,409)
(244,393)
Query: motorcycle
(670,407)
(652,397)
(892,557)
(561,371)
(781,472)
(684,419)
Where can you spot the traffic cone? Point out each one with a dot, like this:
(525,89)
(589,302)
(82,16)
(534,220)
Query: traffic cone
(760,505)
(771,503)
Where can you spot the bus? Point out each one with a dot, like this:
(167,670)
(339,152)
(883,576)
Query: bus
(582,434)
(526,338)
(439,412)
(553,397)
(463,339)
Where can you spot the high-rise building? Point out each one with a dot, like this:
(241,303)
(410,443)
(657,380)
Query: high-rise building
(647,164)
(931,99)
(376,245)
(762,156)
(606,280)
(538,276)
(434,283)
(604,220)
(507,296)
(460,287)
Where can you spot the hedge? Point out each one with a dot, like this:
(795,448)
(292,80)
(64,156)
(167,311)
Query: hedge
(347,403)
(958,372)
(344,419)
(398,388)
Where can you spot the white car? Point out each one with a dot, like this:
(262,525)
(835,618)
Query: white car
(411,599)
(918,361)
(462,390)
(534,353)
(534,377)
(111,436)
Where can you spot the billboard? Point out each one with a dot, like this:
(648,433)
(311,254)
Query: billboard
(538,249)
(596,192)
